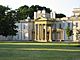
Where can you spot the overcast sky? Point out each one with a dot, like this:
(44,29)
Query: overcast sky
(60,6)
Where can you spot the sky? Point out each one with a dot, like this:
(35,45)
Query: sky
(59,6)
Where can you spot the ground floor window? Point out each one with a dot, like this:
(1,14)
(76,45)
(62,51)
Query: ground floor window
(78,37)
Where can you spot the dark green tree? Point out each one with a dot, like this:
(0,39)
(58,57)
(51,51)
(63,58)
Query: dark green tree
(8,19)
(60,15)
(69,32)
(22,12)
(25,11)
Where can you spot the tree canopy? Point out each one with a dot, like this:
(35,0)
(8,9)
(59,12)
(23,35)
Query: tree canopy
(69,32)
(8,19)
(60,15)
(25,11)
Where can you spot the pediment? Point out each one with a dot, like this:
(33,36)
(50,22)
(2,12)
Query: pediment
(40,19)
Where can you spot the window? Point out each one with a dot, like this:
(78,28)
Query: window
(17,26)
(76,24)
(24,26)
(63,25)
(55,26)
(60,26)
(17,36)
(68,24)
(24,35)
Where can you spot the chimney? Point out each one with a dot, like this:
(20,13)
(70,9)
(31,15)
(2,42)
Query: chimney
(35,15)
(44,13)
(51,14)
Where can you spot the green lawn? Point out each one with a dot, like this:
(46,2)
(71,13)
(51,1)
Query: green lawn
(39,51)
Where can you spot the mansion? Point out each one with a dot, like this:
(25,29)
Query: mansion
(46,28)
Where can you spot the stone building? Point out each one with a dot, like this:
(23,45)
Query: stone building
(46,28)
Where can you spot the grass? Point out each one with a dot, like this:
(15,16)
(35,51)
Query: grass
(39,51)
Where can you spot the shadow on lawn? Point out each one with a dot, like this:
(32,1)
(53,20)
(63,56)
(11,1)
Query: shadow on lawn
(77,46)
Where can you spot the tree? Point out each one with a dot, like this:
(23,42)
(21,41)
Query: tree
(69,32)
(22,12)
(25,11)
(8,19)
(60,15)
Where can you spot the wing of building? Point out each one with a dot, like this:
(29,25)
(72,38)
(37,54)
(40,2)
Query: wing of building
(46,28)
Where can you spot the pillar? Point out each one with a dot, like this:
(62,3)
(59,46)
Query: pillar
(50,35)
(40,37)
(42,31)
(35,32)
(45,32)
(60,36)
(38,32)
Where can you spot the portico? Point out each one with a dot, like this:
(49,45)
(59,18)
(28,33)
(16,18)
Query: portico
(43,30)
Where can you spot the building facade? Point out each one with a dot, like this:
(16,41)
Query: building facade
(46,28)
(25,29)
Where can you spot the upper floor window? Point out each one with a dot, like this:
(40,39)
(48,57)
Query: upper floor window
(54,25)
(17,27)
(63,24)
(24,26)
(68,24)
(76,24)
(60,26)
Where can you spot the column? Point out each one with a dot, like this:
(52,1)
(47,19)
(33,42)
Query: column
(50,35)
(60,36)
(40,35)
(38,32)
(45,32)
(35,32)
(42,31)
